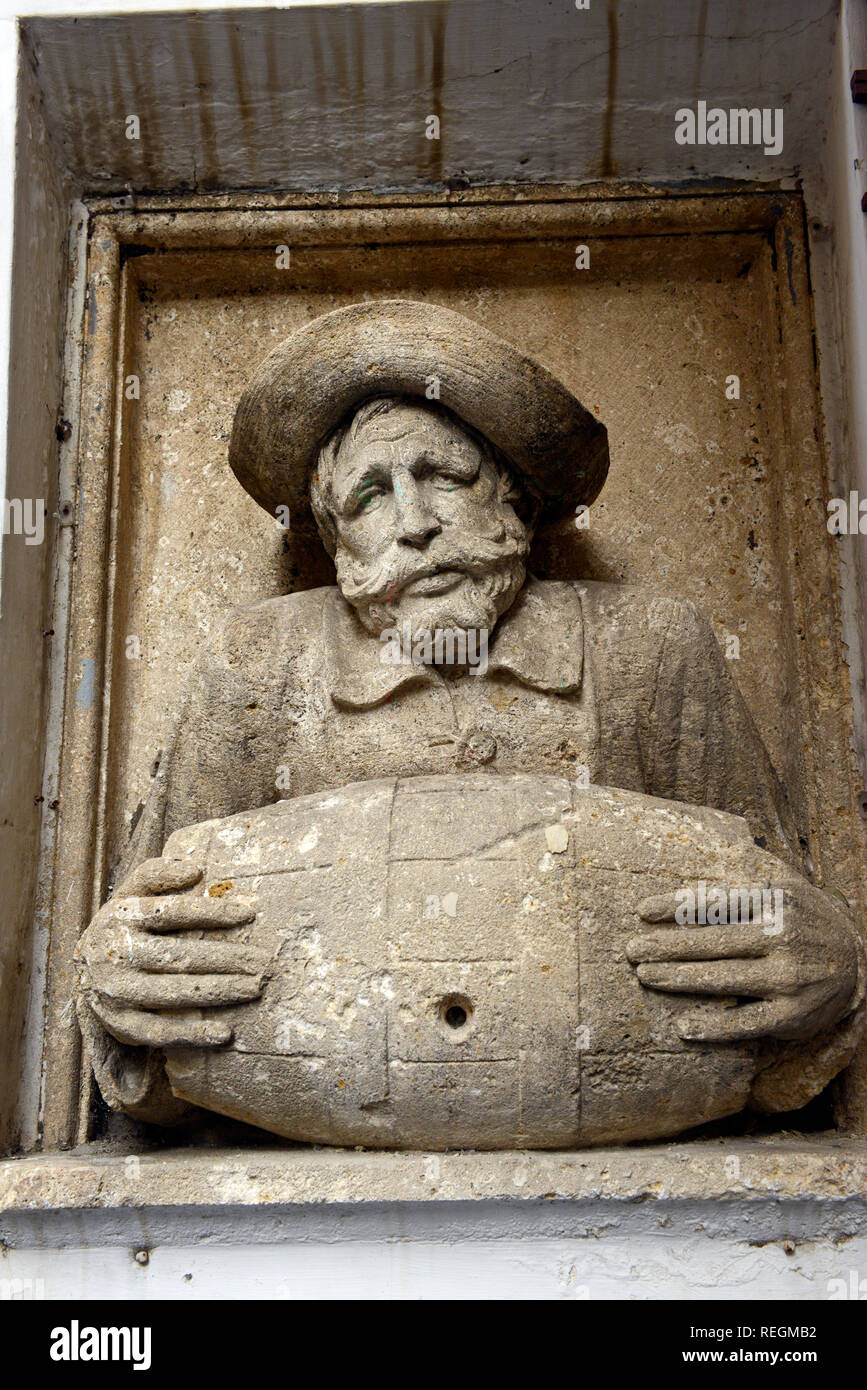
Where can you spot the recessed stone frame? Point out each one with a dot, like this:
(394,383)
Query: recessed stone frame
(735,263)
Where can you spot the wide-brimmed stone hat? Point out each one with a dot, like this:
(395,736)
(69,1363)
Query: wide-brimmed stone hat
(305,387)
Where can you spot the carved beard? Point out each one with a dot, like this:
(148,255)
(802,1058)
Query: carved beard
(494,567)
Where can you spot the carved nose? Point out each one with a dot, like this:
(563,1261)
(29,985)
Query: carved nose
(415,523)
(419,532)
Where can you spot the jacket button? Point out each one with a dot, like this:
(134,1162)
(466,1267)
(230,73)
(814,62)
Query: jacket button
(478,746)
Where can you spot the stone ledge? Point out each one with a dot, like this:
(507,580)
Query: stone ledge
(824,1170)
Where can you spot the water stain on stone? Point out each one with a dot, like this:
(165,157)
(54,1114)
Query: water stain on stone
(608,165)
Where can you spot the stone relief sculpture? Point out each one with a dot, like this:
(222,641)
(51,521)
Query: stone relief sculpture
(446,856)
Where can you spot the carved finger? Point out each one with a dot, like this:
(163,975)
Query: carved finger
(167,955)
(788,1017)
(159,1030)
(662,907)
(659,907)
(160,876)
(703,943)
(174,991)
(728,977)
(180,914)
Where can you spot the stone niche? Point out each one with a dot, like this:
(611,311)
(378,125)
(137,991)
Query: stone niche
(715,492)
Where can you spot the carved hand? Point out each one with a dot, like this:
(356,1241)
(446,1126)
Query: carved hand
(800,968)
(147,978)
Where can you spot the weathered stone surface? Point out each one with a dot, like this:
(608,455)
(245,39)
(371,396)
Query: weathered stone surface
(737,1176)
(510,1017)
(569,1006)
(364,350)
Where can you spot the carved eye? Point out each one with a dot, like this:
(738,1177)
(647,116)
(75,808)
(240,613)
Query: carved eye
(450,482)
(369,498)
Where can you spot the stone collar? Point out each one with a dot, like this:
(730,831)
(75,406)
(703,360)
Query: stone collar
(539,641)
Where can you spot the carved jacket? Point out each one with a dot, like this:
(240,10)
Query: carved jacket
(616,684)
(622,686)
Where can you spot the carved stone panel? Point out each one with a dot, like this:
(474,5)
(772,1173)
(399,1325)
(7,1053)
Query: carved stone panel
(538,1007)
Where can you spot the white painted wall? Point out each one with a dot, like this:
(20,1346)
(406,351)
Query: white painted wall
(688,1250)
(619,1266)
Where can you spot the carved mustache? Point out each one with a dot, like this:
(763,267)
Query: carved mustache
(361,583)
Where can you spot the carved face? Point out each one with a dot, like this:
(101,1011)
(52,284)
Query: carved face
(424,531)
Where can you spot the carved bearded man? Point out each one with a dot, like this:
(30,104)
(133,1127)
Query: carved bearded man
(428,508)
